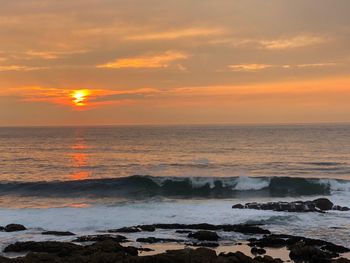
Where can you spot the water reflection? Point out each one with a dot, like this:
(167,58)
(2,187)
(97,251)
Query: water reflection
(79,158)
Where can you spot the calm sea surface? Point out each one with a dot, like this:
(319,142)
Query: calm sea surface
(46,154)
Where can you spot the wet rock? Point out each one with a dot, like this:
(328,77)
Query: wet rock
(14,228)
(341,208)
(58,233)
(240,228)
(323,204)
(97,238)
(318,205)
(204,235)
(289,241)
(147,228)
(153,240)
(132,229)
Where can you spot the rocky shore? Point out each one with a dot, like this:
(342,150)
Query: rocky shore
(112,247)
(320,205)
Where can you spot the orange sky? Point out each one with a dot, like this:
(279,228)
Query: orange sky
(97,62)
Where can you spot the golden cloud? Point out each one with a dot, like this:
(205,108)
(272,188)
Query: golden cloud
(175,34)
(163,60)
(294,42)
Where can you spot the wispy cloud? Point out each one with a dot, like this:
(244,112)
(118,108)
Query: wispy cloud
(259,67)
(175,34)
(51,54)
(20,68)
(162,60)
(249,67)
(293,42)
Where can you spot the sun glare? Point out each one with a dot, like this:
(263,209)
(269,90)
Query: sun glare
(79,97)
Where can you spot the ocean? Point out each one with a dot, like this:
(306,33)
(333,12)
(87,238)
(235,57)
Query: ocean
(88,179)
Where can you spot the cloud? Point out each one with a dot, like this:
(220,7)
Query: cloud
(249,67)
(175,34)
(51,54)
(259,67)
(162,60)
(290,43)
(20,68)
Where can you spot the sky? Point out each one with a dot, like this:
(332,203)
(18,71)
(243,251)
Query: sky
(110,62)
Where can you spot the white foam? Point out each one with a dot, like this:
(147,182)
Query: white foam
(245,183)
(336,185)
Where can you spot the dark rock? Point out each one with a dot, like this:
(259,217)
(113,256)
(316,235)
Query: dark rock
(14,228)
(47,246)
(152,240)
(318,205)
(277,241)
(132,229)
(259,251)
(97,238)
(58,233)
(323,204)
(200,255)
(204,244)
(304,252)
(241,228)
(147,228)
(204,235)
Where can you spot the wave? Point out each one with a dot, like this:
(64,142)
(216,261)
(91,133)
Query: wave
(205,187)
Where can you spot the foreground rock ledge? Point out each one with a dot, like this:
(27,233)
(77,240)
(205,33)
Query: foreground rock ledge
(109,251)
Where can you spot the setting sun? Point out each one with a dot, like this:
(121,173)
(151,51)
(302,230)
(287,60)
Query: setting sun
(80,97)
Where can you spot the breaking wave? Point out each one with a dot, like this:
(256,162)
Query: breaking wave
(204,187)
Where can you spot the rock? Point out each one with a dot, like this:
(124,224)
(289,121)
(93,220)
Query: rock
(323,204)
(147,228)
(58,233)
(14,228)
(46,246)
(96,238)
(341,208)
(132,229)
(318,205)
(204,244)
(278,241)
(152,240)
(204,235)
(304,252)
(259,251)
(240,228)
(200,255)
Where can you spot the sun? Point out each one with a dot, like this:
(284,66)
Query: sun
(79,97)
